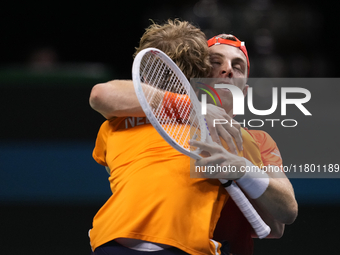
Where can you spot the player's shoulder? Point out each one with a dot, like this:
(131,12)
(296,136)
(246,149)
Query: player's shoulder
(262,137)
(109,125)
(259,134)
(113,122)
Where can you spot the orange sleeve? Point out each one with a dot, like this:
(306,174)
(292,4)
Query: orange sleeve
(99,151)
(269,151)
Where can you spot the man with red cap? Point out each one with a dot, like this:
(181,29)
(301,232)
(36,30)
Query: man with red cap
(230,61)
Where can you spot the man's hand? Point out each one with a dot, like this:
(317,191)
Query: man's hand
(215,155)
(228,131)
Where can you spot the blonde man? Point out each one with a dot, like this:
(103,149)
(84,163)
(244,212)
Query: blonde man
(155,206)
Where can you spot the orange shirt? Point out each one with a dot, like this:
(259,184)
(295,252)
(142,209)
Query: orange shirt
(153,197)
(270,153)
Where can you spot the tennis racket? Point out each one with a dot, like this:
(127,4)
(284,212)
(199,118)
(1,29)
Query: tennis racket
(171,105)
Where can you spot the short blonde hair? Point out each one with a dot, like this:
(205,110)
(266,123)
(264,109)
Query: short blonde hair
(183,42)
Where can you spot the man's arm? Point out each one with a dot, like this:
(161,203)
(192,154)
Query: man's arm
(275,203)
(116,98)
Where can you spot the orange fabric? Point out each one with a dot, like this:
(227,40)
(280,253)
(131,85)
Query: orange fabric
(269,151)
(215,40)
(151,184)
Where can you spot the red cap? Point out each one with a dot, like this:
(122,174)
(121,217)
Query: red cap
(238,44)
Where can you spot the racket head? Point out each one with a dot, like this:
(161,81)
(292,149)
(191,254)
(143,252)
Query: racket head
(153,67)
(176,115)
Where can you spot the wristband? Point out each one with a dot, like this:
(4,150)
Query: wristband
(254,182)
(170,106)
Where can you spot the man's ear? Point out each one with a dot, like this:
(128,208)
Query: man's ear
(245,90)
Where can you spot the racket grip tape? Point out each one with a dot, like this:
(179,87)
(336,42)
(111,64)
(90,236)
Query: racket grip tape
(261,228)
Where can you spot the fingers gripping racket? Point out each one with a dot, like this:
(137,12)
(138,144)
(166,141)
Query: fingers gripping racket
(172,107)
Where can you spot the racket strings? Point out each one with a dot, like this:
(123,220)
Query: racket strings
(172,109)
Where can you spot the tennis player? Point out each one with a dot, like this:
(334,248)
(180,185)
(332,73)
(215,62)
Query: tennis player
(102,233)
(277,203)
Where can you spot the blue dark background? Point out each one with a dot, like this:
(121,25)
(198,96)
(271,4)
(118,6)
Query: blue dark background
(51,54)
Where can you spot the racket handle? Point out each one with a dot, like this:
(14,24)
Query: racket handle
(261,228)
